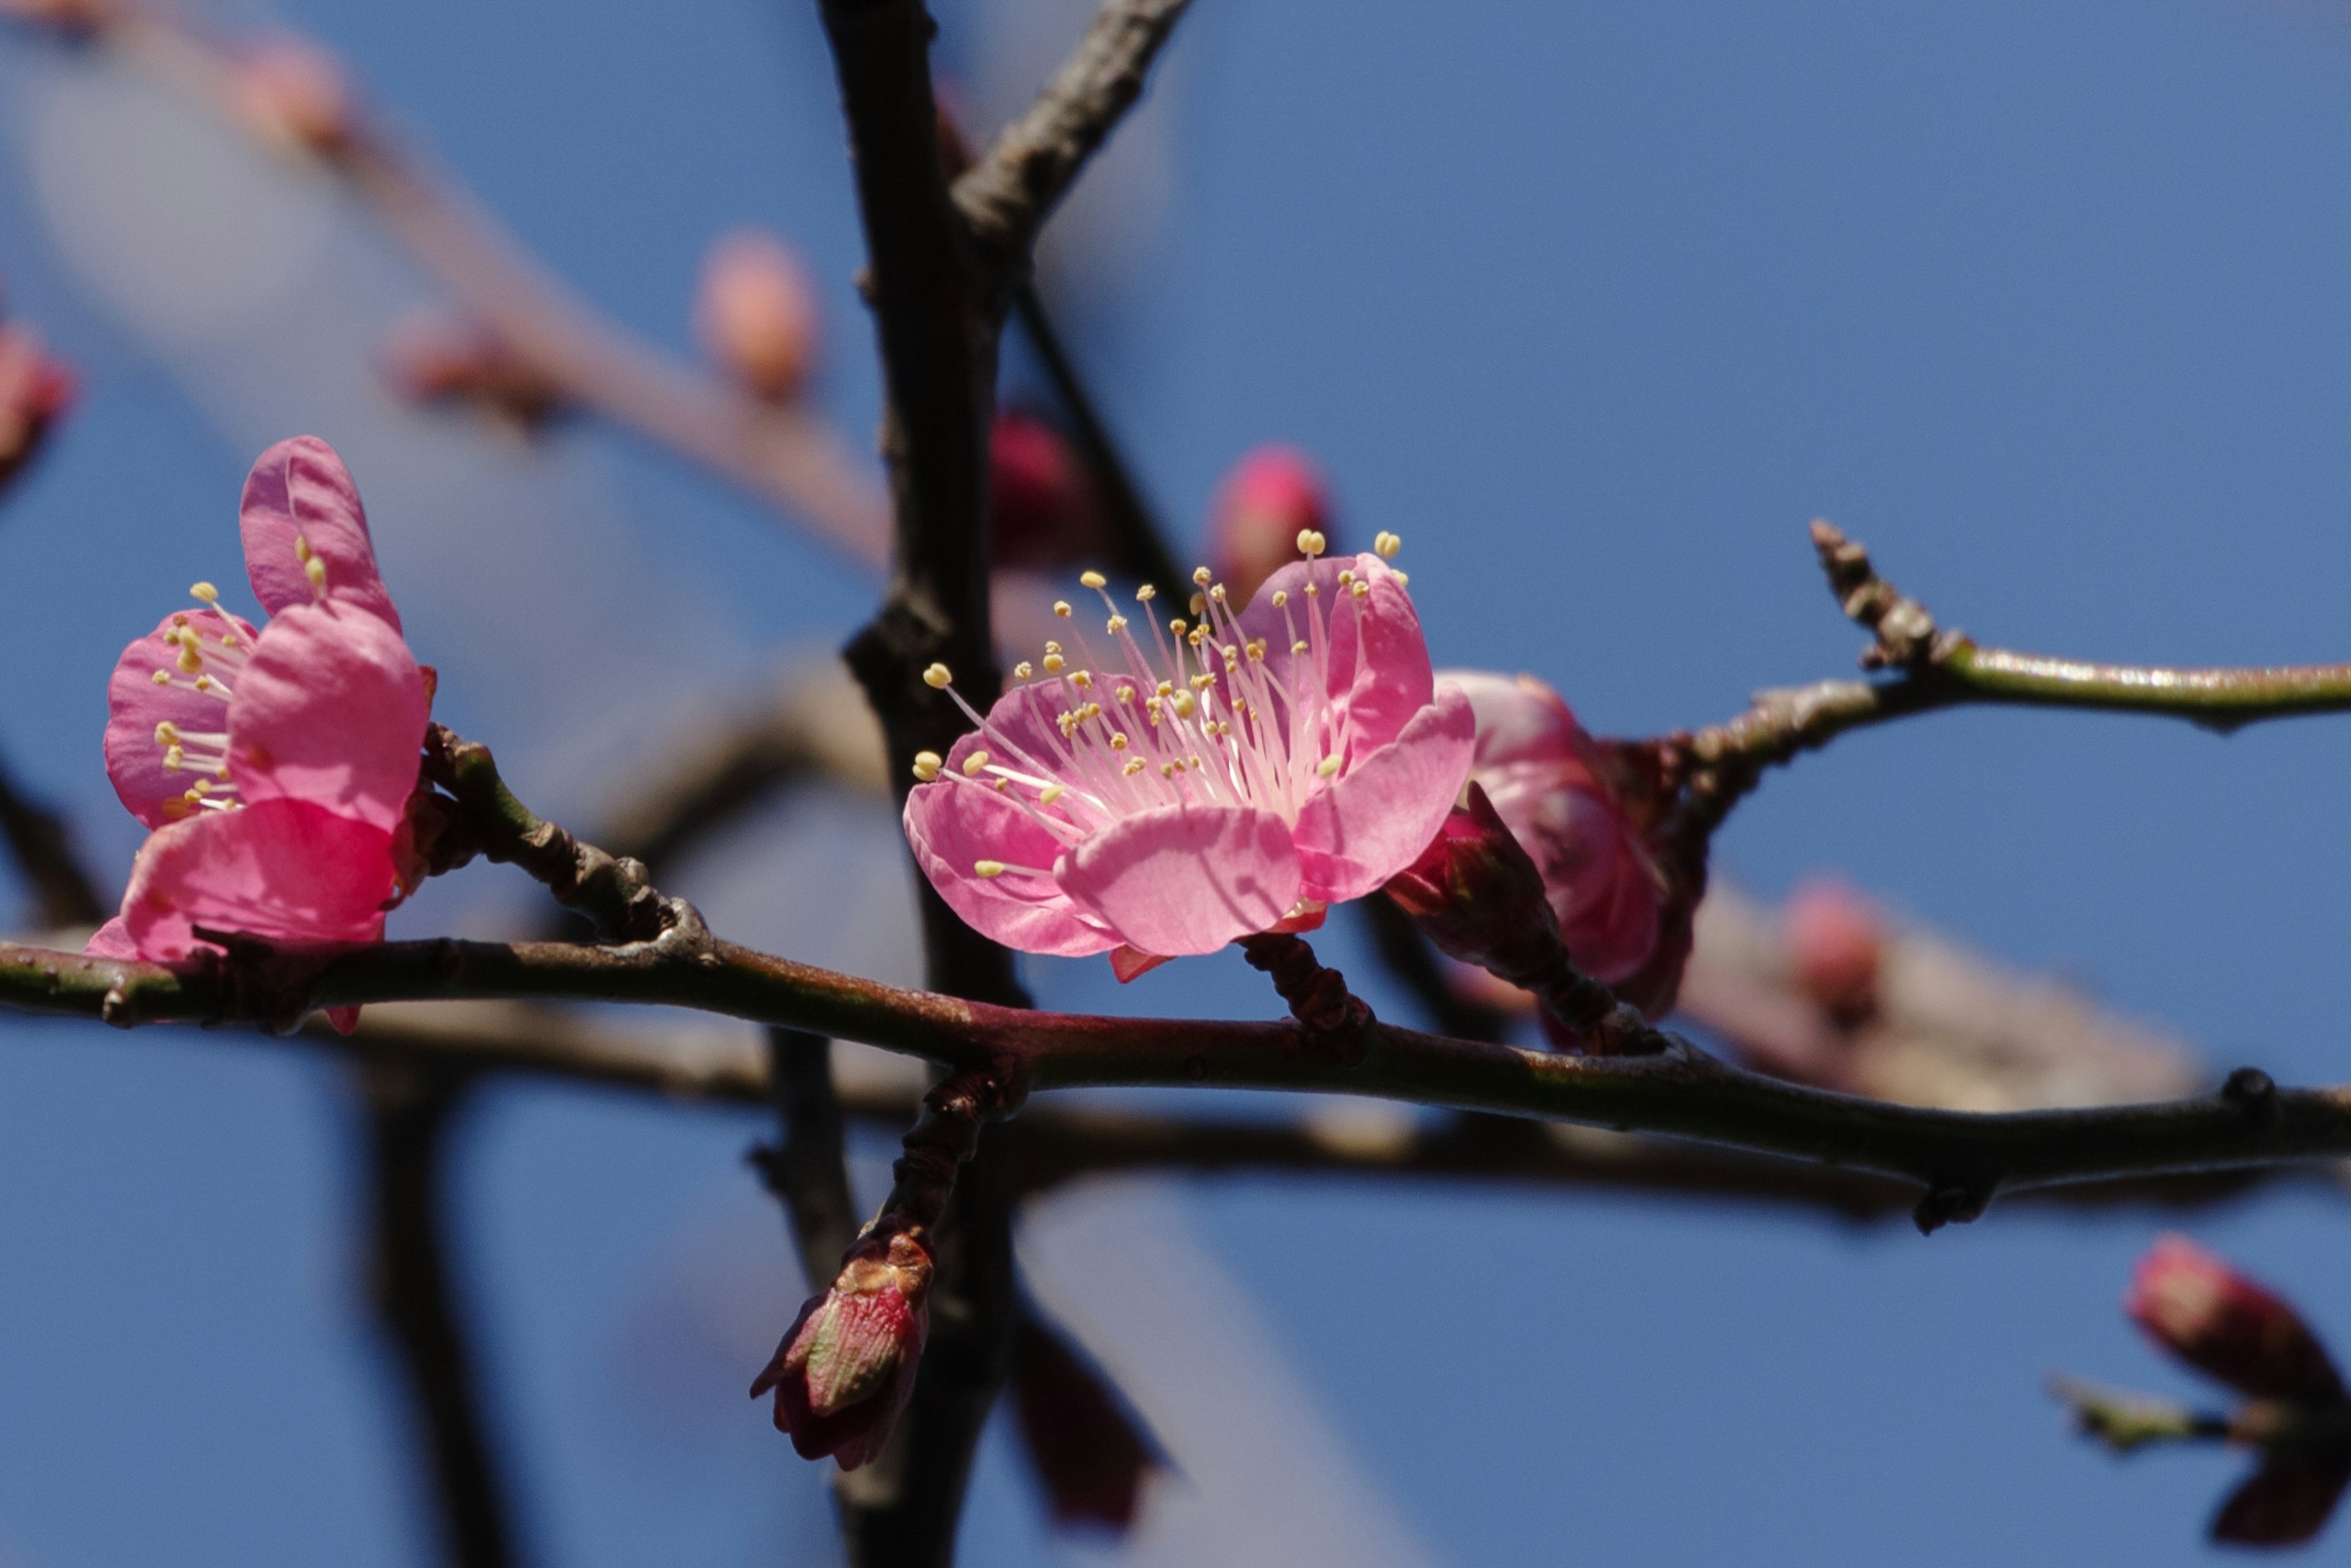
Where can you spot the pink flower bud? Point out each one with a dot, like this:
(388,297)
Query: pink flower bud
(846,1367)
(757,315)
(295,92)
(1476,893)
(1545,777)
(2213,1318)
(1271,495)
(1832,941)
(34,391)
(1043,509)
(431,357)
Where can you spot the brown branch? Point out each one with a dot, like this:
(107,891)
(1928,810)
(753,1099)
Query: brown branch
(1138,546)
(1007,196)
(409,1107)
(784,453)
(1678,1092)
(42,845)
(805,1168)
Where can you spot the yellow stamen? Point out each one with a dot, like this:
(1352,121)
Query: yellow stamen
(1202,576)
(927,765)
(1328,767)
(1385,545)
(973,763)
(988,867)
(1309,542)
(316,570)
(1023,669)
(205,591)
(1280,597)
(1093,578)
(1061,608)
(1053,663)
(938,677)
(1145,594)
(1050,793)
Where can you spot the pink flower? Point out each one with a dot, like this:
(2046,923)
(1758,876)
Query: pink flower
(1043,508)
(276,766)
(1271,494)
(2223,1324)
(34,389)
(846,1366)
(1834,946)
(1541,770)
(1235,777)
(757,314)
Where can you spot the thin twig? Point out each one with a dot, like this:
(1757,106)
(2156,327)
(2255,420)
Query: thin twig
(784,453)
(805,1168)
(43,846)
(1007,196)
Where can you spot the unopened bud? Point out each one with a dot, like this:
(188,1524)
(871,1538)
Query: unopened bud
(846,1367)
(757,316)
(34,389)
(1043,509)
(1477,894)
(296,92)
(431,357)
(1271,504)
(2226,1326)
(1833,945)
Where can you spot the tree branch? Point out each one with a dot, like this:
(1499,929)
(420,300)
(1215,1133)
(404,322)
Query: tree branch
(409,1105)
(1680,1092)
(1007,196)
(43,848)
(783,454)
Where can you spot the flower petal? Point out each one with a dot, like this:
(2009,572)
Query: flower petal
(952,825)
(1520,719)
(1378,816)
(136,704)
(1374,668)
(1185,879)
(332,710)
(111,940)
(286,869)
(301,489)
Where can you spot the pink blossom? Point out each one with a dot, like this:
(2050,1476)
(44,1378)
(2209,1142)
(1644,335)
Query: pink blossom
(756,312)
(846,1366)
(1236,776)
(275,767)
(1271,494)
(1043,508)
(1540,769)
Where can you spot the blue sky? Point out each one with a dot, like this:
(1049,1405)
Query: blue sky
(1596,305)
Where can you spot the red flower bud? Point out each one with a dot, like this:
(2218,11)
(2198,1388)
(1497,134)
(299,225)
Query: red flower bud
(1832,941)
(431,357)
(1090,1451)
(1043,509)
(1476,893)
(296,92)
(2213,1318)
(757,315)
(1253,526)
(34,391)
(845,1369)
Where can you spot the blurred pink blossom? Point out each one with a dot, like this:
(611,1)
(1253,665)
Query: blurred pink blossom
(2202,1310)
(34,389)
(1271,494)
(1043,509)
(295,92)
(756,313)
(1835,947)
(276,767)
(1257,767)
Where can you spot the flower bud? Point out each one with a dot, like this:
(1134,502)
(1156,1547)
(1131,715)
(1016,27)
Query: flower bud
(432,358)
(1044,511)
(296,92)
(2226,1326)
(1476,893)
(1832,941)
(756,314)
(846,1367)
(34,391)
(1272,496)
(1545,777)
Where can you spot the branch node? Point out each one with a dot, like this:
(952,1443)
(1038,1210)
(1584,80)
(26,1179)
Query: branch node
(1333,1022)
(2254,1092)
(1951,1203)
(1906,633)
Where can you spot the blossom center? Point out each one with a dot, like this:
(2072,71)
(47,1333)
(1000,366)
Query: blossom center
(1199,716)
